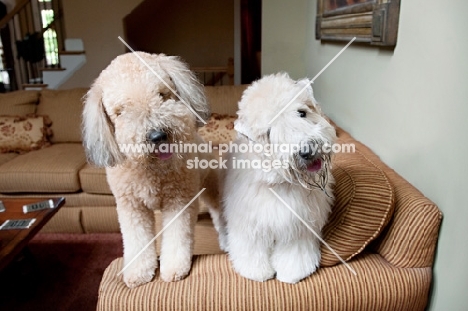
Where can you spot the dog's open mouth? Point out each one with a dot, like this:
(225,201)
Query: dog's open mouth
(315,166)
(164,155)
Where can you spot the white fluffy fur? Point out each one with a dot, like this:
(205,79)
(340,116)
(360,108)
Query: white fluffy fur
(264,238)
(126,102)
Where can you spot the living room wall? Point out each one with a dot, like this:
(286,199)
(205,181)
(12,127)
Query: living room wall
(98,24)
(408,105)
(201,32)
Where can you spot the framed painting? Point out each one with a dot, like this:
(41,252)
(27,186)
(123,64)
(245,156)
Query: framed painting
(370,21)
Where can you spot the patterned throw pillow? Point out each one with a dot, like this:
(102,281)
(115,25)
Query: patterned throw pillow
(23,134)
(219,129)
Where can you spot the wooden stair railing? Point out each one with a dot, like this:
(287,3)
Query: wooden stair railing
(22,30)
(19,6)
(216,75)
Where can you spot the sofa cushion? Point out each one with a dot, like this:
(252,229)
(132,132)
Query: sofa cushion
(19,103)
(5,157)
(93,180)
(364,204)
(67,220)
(50,170)
(223,99)
(64,107)
(96,219)
(214,285)
(23,134)
(219,129)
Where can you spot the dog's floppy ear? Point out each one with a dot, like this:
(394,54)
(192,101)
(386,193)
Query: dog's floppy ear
(242,128)
(189,88)
(98,131)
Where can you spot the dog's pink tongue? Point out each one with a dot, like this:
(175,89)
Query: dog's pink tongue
(315,166)
(164,155)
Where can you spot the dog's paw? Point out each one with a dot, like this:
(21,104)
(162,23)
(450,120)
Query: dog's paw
(293,276)
(259,273)
(223,242)
(295,263)
(174,271)
(260,276)
(136,277)
(140,271)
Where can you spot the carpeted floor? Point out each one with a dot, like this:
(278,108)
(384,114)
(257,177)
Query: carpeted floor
(59,272)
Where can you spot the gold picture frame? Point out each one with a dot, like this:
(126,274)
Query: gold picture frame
(370,21)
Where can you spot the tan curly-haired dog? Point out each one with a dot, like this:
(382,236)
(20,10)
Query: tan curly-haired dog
(129,104)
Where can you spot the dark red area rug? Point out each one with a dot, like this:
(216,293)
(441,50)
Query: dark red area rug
(59,272)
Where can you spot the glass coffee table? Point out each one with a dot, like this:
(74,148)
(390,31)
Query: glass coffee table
(12,241)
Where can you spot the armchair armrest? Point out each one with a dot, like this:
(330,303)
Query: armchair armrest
(410,239)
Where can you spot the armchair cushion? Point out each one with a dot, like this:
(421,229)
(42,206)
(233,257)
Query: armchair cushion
(214,285)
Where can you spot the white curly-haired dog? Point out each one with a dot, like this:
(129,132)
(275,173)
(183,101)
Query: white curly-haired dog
(264,237)
(129,104)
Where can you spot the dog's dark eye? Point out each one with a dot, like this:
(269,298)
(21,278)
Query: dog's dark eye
(302,113)
(165,95)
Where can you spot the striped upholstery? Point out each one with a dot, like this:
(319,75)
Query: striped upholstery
(213,285)
(363,206)
(50,170)
(410,239)
(64,107)
(393,273)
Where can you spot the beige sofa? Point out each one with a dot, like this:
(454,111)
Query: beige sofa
(380,224)
(60,169)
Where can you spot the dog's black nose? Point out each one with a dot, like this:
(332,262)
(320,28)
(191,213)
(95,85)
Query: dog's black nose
(306,153)
(156,137)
